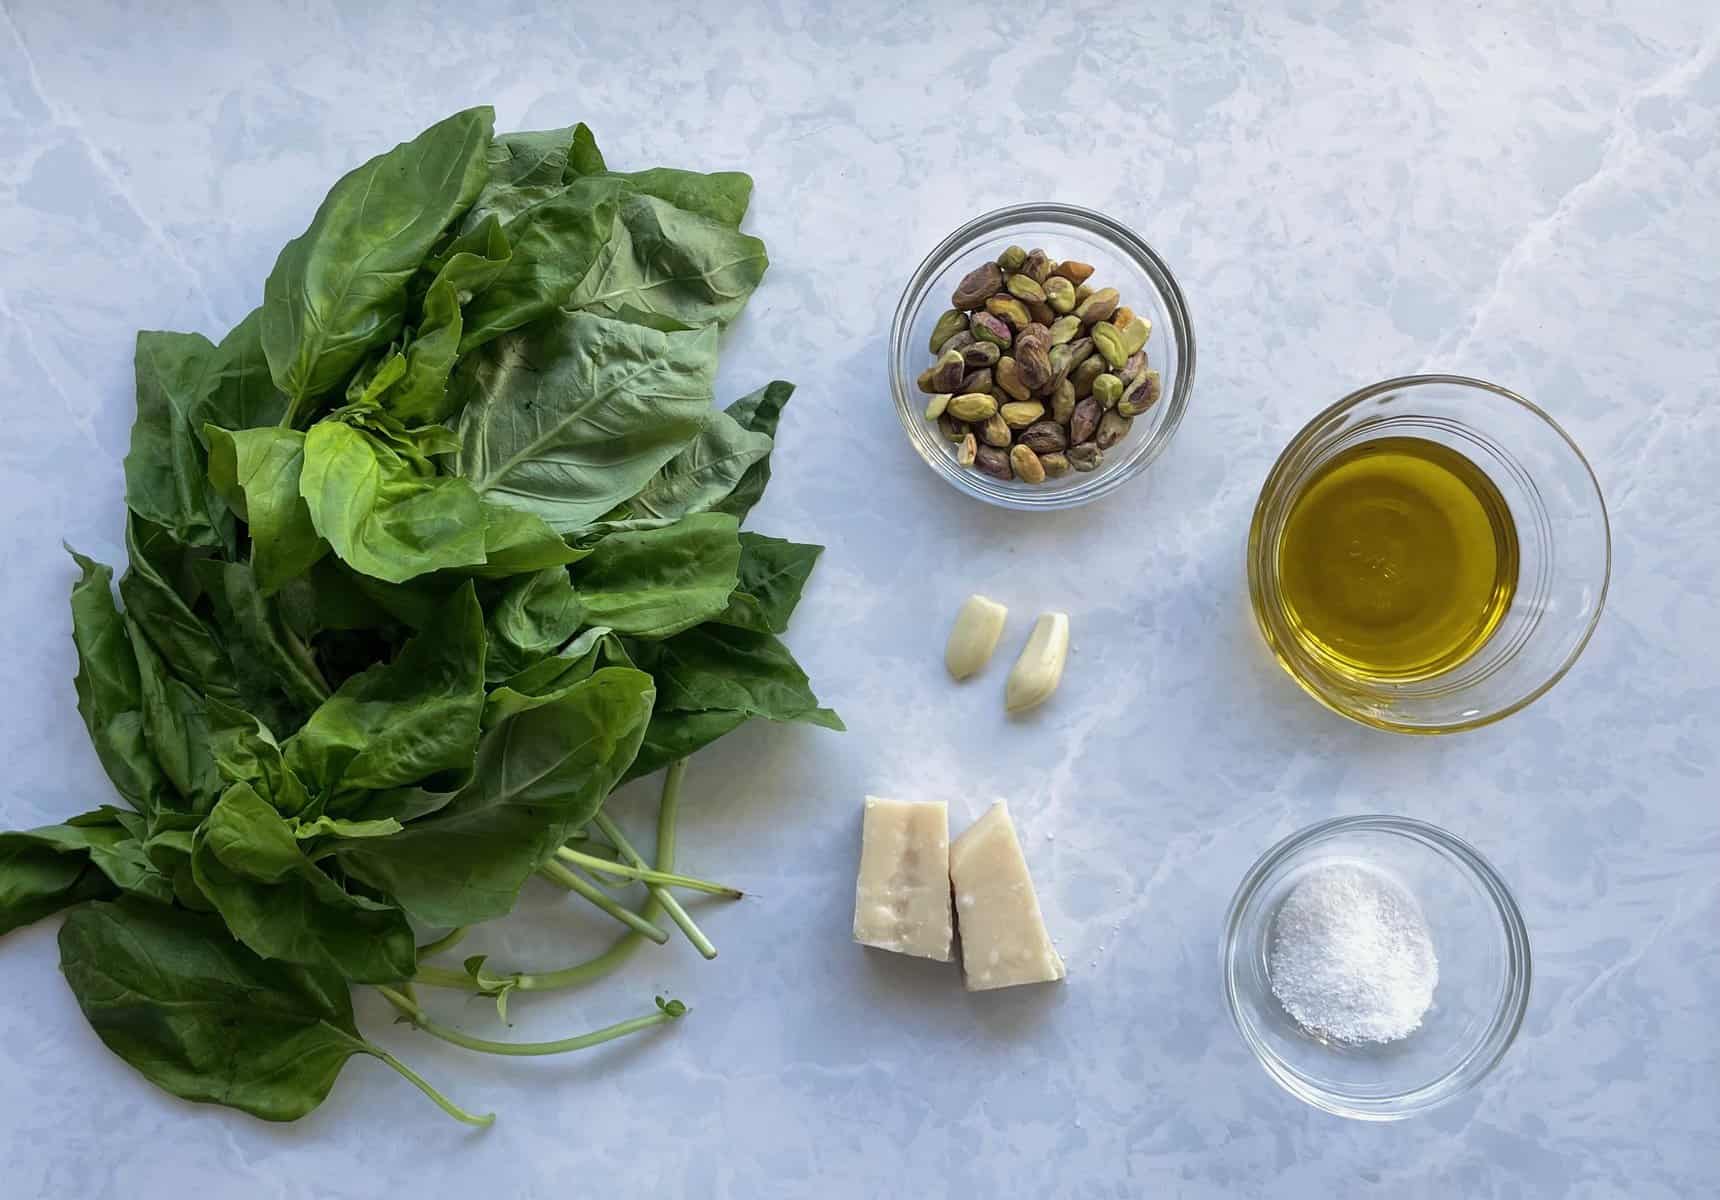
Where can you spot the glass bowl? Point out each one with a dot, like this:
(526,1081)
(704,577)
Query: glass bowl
(1564,546)
(1478,1005)
(1120,260)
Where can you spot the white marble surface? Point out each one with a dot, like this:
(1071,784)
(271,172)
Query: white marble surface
(1527,192)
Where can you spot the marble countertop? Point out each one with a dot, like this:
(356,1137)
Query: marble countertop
(1347,191)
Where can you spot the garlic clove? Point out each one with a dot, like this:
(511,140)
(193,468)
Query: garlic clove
(1040,668)
(974,636)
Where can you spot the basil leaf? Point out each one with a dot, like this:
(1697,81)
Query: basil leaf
(401,722)
(382,515)
(703,475)
(772,574)
(661,259)
(737,670)
(758,413)
(422,394)
(248,862)
(165,478)
(534,614)
(553,240)
(240,393)
(654,583)
(672,736)
(110,697)
(338,290)
(257,470)
(722,197)
(571,417)
(541,775)
(202,1017)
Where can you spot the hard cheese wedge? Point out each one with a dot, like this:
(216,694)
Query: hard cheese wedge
(1003,936)
(902,899)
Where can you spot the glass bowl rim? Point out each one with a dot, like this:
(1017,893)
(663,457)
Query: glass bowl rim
(1127,243)
(1502,1029)
(1317,423)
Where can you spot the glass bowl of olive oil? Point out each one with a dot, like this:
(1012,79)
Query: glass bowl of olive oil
(1429,554)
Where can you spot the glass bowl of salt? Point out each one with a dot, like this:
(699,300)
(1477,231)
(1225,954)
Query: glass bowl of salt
(1377,966)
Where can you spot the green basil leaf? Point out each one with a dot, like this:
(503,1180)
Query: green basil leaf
(401,722)
(275,900)
(773,572)
(654,583)
(165,476)
(240,393)
(159,589)
(341,827)
(276,672)
(759,413)
(703,475)
(723,197)
(246,752)
(541,775)
(257,470)
(90,856)
(110,698)
(549,677)
(737,670)
(553,240)
(338,290)
(517,542)
(176,727)
(422,394)
(382,516)
(533,615)
(571,417)
(675,735)
(202,1017)
(662,259)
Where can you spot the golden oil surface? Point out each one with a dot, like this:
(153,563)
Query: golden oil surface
(1398,560)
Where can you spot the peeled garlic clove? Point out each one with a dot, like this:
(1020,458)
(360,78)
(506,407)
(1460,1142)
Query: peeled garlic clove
(978,626)
(1040,668)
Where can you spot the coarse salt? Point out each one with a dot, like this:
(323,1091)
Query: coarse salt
(1351,956)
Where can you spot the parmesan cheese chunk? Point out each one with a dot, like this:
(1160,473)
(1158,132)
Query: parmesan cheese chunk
(1003,935)
(902,898)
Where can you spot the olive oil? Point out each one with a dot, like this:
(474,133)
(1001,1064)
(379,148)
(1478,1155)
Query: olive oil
(1398,560)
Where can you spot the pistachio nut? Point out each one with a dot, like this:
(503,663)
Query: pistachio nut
(1142,395)
(951,323)
(936,405)
(1041,312)
(1082,291)
(957,341)
(1099,306)
(1113,428)
(973,406)
(1084,375)
(1132,369)
(1110,343)
(924,382)
(1064,329)
(1033,363)
(967,450)
(1081,426)
(1134,329)
(980,354)
(977,286)
(993,462)
(1024,287)
(1085,457)
(1036,331)
(1107,390)
(976,381)
(1045,437)
(1074,272)
(1056,465)
(994,432)
(1063,402)
(1037,266)
(1060,294)
(1069,358)
(987,328)
(1009,309)
(1008,377)
(948,372)
(1012,258)
(1027,466)
(951,428)
(1020,414)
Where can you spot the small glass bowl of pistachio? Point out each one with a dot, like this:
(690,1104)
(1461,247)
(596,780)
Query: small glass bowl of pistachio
(1041,356)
